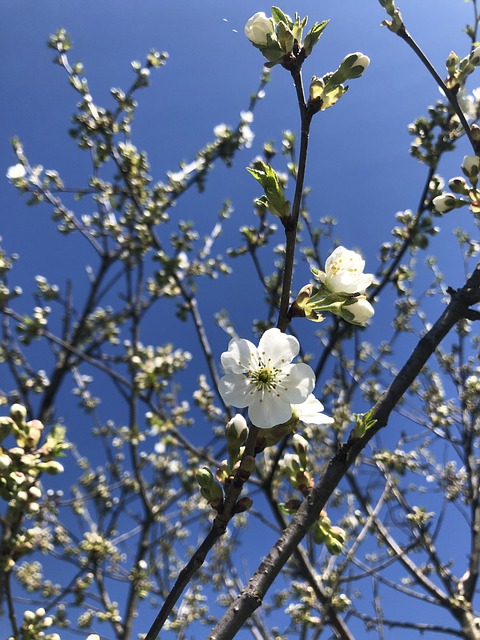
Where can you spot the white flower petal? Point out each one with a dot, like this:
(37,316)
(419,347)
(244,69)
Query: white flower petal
(236,390)
(237,358)
(278,347)
(298,381)
(269,412)
(311,412)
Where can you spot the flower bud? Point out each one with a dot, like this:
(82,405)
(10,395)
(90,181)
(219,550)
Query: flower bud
(35,493)
(243,504)
(471,168)
(18,413)
(444,203)
(204,477)
(475,56)
(357,312)
(5,461)
(459,185)
(53,467)
(35,428)
(257,29)
(237,429)
(300,446)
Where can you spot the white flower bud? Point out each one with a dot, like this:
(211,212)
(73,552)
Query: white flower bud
(237,428)
(16,172)
(471,166)
(361,309)
(18,413)
(361,61)
(475,56)
(444,203)
(258,27)
(5,461)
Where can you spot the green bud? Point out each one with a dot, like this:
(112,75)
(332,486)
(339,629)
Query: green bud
(459,185)
(204,477)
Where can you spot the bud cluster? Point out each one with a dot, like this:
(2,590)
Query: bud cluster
(34,625)
(279,38)
(471,194)
(333,536)
(22,464)
(295,465)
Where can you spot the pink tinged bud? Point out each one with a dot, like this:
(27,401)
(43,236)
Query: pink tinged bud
(444,203)
(257,29)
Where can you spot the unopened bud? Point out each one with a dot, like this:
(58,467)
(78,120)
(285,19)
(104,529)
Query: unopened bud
(237,429)
(459,185)
(204,477)
(470,167)
(444,203)
(243,504)
(18,413)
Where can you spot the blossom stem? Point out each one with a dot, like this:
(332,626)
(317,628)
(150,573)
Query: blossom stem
(292,223)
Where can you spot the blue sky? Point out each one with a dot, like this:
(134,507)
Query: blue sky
(359,167)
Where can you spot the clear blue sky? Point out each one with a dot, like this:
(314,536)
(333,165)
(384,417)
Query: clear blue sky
(359,167)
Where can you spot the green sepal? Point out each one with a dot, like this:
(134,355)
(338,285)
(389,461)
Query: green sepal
(285,37)
(278,16)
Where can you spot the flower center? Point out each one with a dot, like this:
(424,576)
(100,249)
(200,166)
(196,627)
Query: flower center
(264,378)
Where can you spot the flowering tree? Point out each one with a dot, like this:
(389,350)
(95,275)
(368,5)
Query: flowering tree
(140,526)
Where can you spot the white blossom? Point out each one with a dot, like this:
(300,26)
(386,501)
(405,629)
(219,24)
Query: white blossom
(263,379)
(311,412)
(344,272)
(258,27)
(16,172)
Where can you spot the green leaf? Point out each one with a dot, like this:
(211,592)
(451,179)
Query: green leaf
(364,422)
(313,36)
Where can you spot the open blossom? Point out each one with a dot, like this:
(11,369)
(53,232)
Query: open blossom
(258,27)
(344,272)
(263,379)
(311,412)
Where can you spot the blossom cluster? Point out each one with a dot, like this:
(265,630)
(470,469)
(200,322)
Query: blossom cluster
(264,379)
